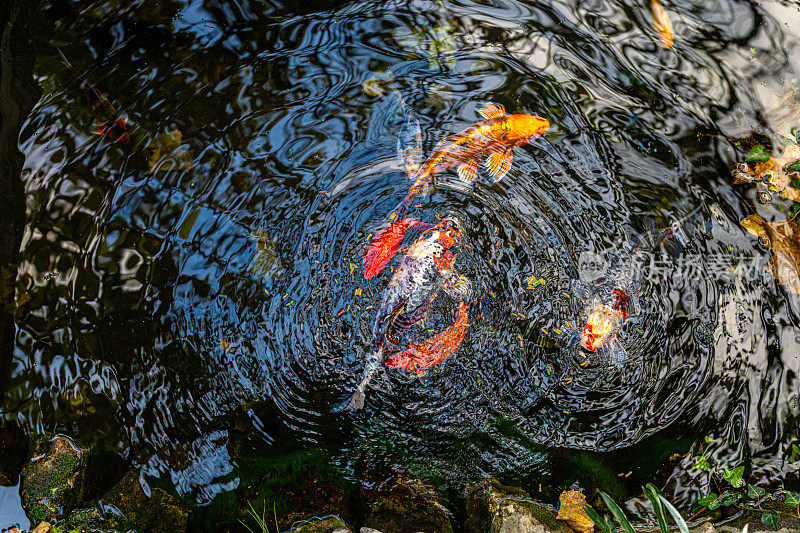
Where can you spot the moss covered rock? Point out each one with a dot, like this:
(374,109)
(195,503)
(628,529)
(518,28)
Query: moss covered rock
(331,524)
(127,508)
(52,481)
(495,508)
(404,504)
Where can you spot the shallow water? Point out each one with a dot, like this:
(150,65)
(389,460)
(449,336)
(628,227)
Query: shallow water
(172,301)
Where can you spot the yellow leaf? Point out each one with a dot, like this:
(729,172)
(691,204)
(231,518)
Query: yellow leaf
(167,153)
(662,23)
(571,511)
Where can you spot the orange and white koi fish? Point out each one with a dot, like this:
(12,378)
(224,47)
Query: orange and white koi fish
(425,269)
(494,137)
(108,121)
(662,24)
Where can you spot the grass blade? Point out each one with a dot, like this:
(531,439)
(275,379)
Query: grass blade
(598,520)
(617,512)
(652,494)
(681,523)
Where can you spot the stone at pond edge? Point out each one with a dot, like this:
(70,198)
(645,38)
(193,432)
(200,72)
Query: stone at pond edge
(403,504)
(571,511)
(495,508)
(158,513)
(52,481)
(331,524)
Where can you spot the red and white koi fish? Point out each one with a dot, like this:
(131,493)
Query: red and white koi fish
(610,298)
(107,119)
(425,269)
(494,137)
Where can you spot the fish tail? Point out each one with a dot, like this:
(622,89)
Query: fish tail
(356,401)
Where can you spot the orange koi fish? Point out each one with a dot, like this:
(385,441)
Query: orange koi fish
(422,356)
(662,23)
(107,119)
(385,244)
(496,137)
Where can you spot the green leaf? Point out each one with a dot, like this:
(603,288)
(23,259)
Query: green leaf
(709,500)
(796,132)
(792,499)
(734,477)
(709,440)
(730,498)
(599,521)
(652,494)
(755,492)
(701,463)
(679,521)
(771,518)
(617,512)
(793,166)
(795,457)
(757,153)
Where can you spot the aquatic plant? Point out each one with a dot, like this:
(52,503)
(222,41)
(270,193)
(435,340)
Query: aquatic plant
(261,519)
(660,504)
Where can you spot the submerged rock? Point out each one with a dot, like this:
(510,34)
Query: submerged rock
(495,508)
(330,524)
(403,504)
(52,481)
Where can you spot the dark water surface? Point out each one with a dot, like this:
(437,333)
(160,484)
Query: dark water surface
(172,302)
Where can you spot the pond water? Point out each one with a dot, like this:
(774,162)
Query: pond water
(201,285)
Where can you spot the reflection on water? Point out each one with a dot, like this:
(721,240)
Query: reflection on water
(197,284)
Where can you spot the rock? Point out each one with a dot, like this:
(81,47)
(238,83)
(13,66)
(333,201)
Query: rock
(402,504)
(368,530)
(126,507)
(571,511)
(331,524)
(44,527)
(707,527)
(52,481)
(495,508)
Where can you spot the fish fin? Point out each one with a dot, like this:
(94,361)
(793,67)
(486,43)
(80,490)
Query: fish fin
(498,164)
(435,350)
(385,244)
(468,171)
(492,110)
(456,285)
(409,146)
(355,403)
(614,351)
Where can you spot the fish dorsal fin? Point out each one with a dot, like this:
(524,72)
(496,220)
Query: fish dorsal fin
(492,110)
(498,164)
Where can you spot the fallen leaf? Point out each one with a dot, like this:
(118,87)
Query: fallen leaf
(662,23)
(783,239)
(571,511)
(167,153)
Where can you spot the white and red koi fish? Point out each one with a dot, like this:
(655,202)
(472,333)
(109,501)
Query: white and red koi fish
(494,137)
(609,299)
(425,269)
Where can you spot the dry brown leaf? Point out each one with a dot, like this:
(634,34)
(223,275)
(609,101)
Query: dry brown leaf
(783,239)
(662,23)
(773,172)
(571,511)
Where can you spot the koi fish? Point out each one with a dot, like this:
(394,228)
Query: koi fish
(422,356)
(425,269)
(494,137)
(610,298)
(107,119)
(662,23)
